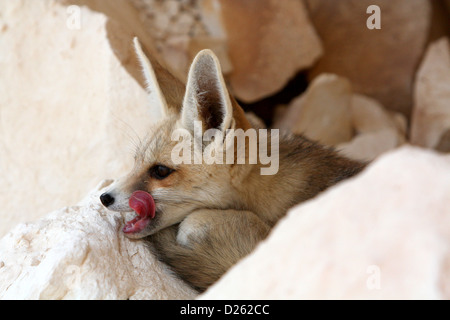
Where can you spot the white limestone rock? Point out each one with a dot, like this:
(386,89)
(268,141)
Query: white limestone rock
(370,145)
(377,130)
(431,113)
(80,252)
(71,113)
(381,235)
(323,112)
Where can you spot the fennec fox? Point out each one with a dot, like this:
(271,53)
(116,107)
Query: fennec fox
(201,218)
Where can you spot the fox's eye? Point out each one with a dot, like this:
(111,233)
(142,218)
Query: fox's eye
(160,172)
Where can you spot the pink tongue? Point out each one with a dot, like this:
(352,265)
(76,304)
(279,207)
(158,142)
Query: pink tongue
(144,205)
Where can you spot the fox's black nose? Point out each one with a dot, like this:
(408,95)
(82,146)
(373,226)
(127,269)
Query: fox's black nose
(107,199)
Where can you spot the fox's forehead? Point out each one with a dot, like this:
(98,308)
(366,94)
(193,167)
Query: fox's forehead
(156,147)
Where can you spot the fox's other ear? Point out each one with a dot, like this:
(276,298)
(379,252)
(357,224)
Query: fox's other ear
(165,91)
(207,98)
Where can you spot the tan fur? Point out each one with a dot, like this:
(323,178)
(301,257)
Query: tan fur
(225,237)
(210,216)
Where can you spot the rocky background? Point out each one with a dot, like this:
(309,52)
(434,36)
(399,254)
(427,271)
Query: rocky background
(73,107)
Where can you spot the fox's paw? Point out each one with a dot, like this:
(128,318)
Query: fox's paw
(194,228)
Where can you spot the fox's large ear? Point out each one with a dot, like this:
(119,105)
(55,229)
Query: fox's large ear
(165,91)
(207,99)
